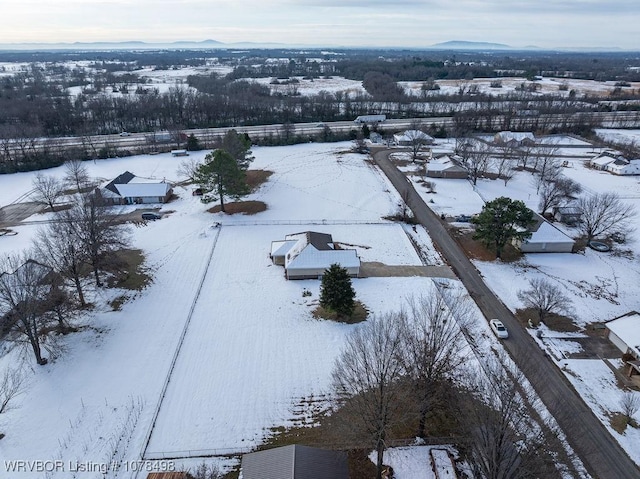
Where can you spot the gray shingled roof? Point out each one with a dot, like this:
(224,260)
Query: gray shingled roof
(295,462)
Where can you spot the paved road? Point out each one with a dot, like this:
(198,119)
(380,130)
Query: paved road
(600,453)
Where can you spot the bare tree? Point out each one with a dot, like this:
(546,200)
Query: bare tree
(47,189)
(76,174)
(365,379)
(25,288)
(12,384)
(557,191)
(505,441)
(630,404)
(59,247)
(475,157)
(433,346)
(188,167)
(98,230)
(545,298)
(604,214)
(417,139)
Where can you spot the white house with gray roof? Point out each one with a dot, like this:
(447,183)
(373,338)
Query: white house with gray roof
(309,254)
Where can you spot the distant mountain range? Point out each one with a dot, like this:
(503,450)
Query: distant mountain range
(214,44)
(464,45)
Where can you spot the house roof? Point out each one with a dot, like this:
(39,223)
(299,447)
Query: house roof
(628,168)
(507,136)
(281,248)
(411,135)
(132,190)
(295,462)
(544,232)
(627,328)
(321,241)
(311,258)
(121,179)
(443,163)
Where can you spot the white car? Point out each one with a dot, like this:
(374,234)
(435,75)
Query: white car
(499,329)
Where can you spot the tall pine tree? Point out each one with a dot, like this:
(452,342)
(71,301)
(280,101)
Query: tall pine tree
(336,292)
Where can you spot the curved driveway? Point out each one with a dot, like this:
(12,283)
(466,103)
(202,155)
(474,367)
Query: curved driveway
(602,455)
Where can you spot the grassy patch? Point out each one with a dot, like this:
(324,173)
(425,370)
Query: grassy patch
(255,178)
(359,314)
(555,322)
(127,271)
(116,304)
(475,249)
(618,422)
(244,207)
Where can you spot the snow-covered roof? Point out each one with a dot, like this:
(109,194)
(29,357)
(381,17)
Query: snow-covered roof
(602,160)
(627,328)
(281,248)
(311,258)
(507,136)
(545,232)
(131,190)
(621,168)
(442,163)
(411,135)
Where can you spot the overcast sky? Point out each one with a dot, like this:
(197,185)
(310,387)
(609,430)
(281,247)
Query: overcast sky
(393,23)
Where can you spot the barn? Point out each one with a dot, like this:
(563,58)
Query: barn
(295,462)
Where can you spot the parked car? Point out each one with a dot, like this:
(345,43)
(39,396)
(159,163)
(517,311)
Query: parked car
(499,329)
(463,218)
(125,133)
(151,216)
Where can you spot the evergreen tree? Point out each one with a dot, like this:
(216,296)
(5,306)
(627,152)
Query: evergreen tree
(220,176)
(502,220)
(336,292)
(193,144)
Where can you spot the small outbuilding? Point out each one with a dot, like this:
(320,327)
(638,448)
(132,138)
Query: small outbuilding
(295,462)
(569,215)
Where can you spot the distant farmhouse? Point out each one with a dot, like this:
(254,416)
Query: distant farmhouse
(128,189)
(545,238)
(513,139)
(410,137)
(309,254)
(615,163)
(444,166)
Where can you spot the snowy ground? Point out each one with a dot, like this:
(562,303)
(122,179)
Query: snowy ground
(602,286)
(231,343)
(252,357)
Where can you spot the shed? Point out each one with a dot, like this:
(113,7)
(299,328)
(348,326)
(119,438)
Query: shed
(568,215)
(545,238)
(295,462)
(624,333)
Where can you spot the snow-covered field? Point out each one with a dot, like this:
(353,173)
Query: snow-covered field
(252,356)
(220,348)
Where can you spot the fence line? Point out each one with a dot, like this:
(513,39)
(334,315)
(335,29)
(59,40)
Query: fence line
(174,359)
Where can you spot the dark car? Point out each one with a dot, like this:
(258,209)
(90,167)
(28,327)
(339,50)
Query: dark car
(151,216)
